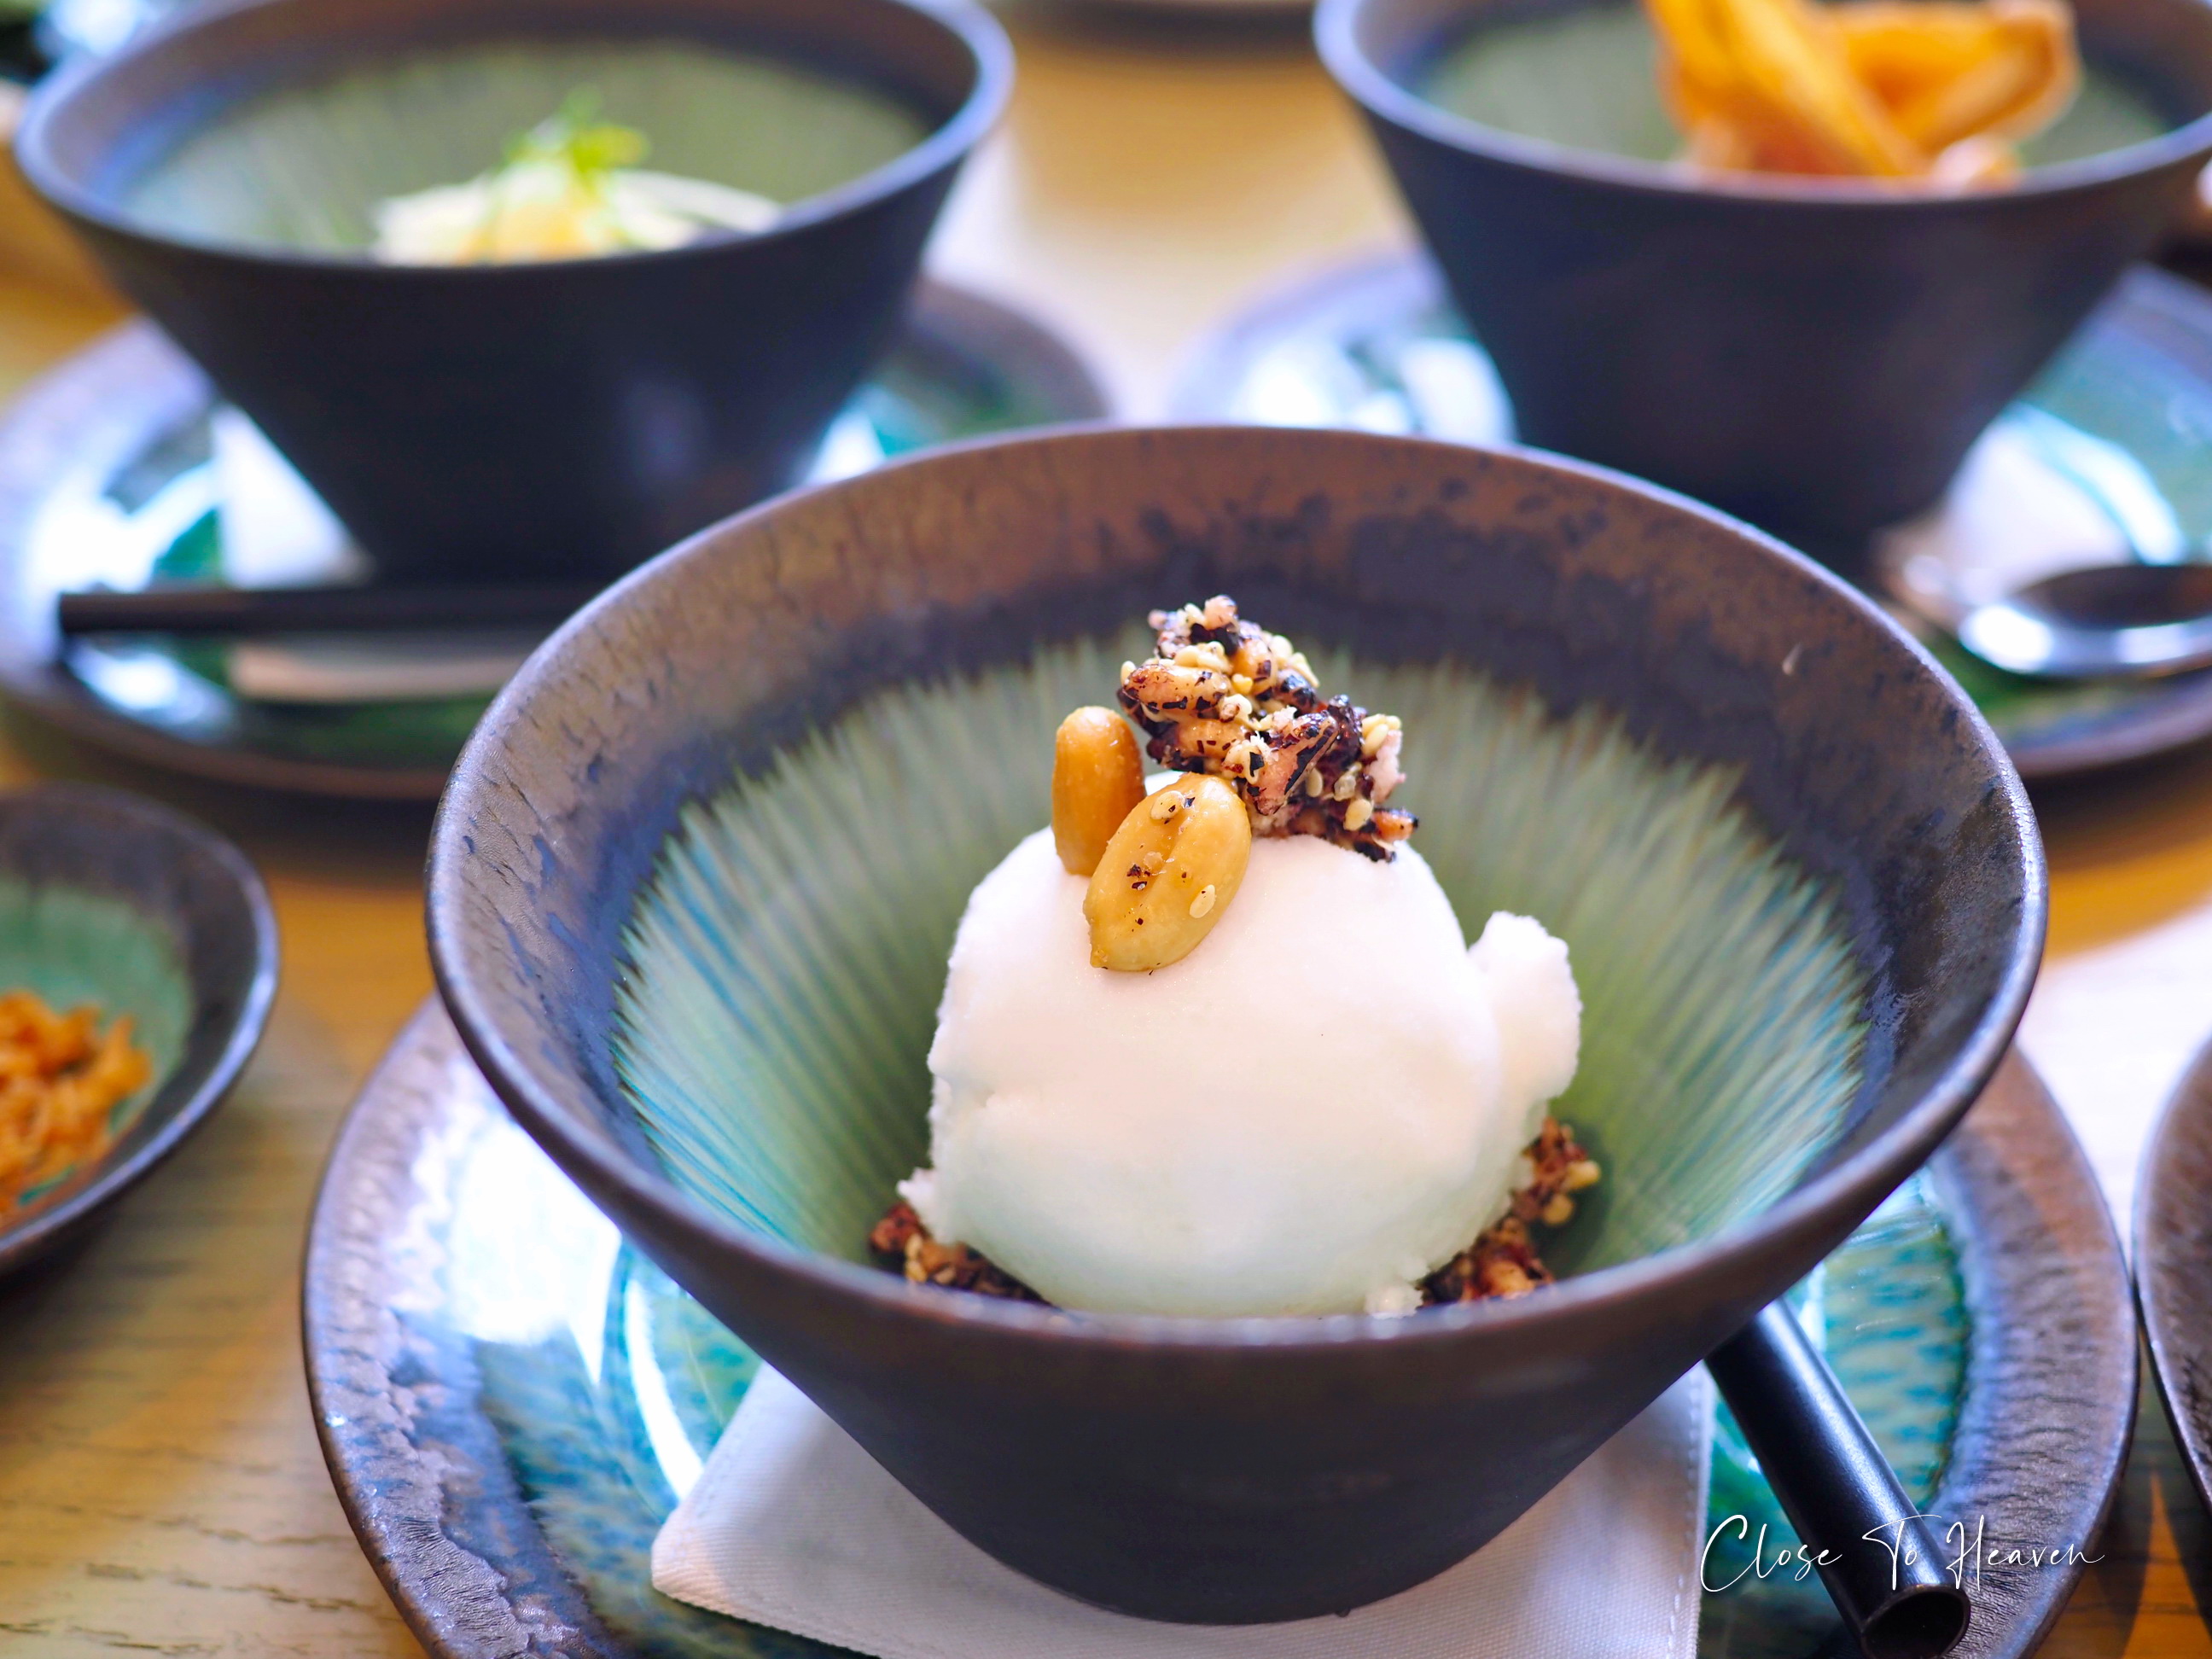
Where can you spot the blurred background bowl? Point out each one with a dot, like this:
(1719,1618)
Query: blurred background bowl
(695,932)
(115,901)
(561,418)
(1813,355)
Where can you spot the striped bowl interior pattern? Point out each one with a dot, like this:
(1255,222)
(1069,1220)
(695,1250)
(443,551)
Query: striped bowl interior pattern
(785,962)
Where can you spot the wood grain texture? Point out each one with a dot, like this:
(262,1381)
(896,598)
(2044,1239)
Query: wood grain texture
(160,1489)
(160,1486)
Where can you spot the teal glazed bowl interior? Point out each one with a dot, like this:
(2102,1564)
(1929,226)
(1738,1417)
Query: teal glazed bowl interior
(1814,355)
(560,417)
(693,885)
(116,902)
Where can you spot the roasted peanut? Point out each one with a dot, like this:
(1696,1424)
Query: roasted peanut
(1168,875)
(1096,777)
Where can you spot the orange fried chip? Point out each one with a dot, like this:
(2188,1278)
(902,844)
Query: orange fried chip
(1948,71)
(1775,73)
(1877,88)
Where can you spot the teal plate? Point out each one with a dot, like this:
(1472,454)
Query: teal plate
(511,1399)
(2125,410)
(107,476)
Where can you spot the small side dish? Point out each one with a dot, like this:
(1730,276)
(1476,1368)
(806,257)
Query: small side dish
(1215,1045)
(61,1079)
(569,188)
(1939,91)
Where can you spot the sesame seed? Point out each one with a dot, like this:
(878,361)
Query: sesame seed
(1356,814)
(1204,901)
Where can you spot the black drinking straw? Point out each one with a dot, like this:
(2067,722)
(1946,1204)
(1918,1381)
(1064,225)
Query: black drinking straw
(1879,1559)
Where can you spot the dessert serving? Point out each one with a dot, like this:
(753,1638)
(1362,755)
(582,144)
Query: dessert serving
(1875,88)
(1943,95)
(568,188)
(1366,1132)
(508,150)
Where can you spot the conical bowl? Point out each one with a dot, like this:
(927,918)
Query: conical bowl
(547,421)
(1813,355)
(693,885)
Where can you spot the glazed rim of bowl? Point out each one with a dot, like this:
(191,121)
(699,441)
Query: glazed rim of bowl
(1337,30)
(1816,1206)
(52,102)
(86,805)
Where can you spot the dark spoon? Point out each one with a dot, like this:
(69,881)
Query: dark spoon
(2117,621)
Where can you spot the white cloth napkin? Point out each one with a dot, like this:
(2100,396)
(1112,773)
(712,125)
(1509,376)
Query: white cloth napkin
(792,1524)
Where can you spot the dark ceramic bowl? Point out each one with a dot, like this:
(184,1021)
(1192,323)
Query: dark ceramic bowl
(567,417)
(113,900)
(1815,355)
(692,887)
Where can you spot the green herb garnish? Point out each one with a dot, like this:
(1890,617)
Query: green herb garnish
(576,139)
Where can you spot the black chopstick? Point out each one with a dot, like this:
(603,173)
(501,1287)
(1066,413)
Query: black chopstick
(315,610)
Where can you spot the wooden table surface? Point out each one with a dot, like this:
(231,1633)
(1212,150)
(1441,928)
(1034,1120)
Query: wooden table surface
(161,1490)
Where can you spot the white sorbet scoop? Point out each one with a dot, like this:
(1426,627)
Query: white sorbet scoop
(1321,1104)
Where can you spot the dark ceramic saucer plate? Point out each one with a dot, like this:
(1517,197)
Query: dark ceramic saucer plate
(2118,429)
(2173,1264)
(108,475)
(511,1399)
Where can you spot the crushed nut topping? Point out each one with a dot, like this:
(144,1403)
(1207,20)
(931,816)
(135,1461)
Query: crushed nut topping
(901,1239)
(1503,1262)
(1223,696)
